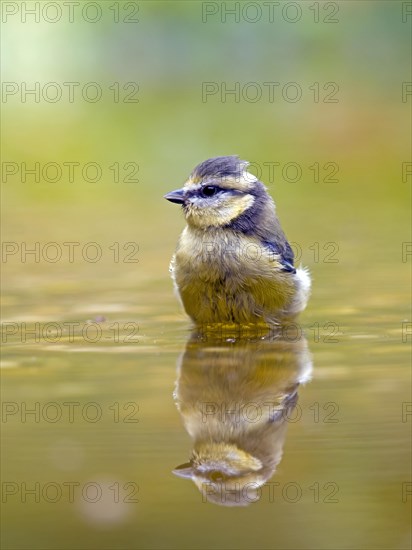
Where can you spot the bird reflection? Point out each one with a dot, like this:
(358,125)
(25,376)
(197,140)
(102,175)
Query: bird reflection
(235,398)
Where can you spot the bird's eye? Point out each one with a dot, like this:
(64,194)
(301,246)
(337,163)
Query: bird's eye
(216,476)
(209,190)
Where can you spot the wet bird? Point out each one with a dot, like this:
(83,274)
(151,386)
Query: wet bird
(233,263)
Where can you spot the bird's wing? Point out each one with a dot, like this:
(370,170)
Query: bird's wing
(275,240)
(284,254)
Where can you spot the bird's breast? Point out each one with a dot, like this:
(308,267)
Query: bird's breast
(222,275)
(222,254)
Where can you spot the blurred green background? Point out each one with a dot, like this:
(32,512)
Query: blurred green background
(168,51)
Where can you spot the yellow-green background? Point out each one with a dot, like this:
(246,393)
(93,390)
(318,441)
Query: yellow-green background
(169,53)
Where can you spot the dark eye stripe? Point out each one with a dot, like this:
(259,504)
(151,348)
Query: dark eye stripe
(199,192)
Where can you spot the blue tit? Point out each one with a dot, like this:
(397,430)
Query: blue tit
(233,263)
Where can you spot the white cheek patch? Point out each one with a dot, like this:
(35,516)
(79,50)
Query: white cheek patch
(231,211)
(218,214)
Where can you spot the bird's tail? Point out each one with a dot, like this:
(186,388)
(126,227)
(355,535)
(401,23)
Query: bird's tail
(303,286)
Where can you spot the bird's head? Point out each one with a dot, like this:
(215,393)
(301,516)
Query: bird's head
(218,191)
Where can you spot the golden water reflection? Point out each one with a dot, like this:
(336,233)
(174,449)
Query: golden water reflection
(235,399)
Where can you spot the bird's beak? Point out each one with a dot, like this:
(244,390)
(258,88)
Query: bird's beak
(184,470)
(176,196)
